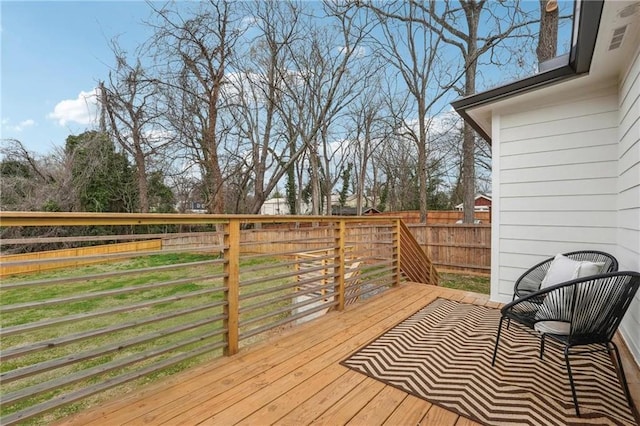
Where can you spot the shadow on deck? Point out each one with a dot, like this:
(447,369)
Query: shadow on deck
(295,378)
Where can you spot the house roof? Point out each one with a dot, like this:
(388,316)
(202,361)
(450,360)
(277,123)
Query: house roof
(351,211)
(478,196)
(594,21)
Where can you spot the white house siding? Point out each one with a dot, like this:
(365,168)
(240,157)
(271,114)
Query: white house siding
(628,235)
(556,178)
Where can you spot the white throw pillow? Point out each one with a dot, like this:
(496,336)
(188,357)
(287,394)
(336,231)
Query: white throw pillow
(557,304)
(564,269)
(561,269)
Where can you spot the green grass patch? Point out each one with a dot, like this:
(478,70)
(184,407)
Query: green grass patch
(476,284)
(143,288)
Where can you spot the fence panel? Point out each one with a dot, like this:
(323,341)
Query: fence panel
(456,247)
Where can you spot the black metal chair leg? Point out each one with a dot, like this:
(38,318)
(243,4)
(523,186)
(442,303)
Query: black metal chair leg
(573,386)
(495,349)
(621,376)
(542,346)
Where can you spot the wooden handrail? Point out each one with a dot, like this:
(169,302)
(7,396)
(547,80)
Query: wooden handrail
(176,312)
(415,263)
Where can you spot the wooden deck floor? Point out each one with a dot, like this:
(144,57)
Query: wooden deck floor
(295,378)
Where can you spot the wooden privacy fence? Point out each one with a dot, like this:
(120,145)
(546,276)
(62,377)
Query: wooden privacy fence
(456,247)
(77,332)
(436,217)
(72,257)
(451,247)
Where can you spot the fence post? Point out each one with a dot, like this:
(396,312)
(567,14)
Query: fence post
(232,284)
(338,247)
(397,229)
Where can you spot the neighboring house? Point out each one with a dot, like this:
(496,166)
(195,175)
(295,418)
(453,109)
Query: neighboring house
(191,207)
(275,206)
(352,211)
(482,203)
(350,200)
(566,153)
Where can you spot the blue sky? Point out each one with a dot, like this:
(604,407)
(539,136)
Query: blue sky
(52,55)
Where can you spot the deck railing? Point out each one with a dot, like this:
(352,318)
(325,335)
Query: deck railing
(90,302)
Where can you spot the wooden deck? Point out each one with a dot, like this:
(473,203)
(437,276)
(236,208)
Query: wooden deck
(296,379)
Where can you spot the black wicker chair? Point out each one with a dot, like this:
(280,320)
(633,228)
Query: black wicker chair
(530,281)
(580,312)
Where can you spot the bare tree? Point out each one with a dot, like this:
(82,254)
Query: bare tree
(322,82)
(21,176)
(130,103)
(369,128)
(196,51)
(457,23)
(414,50)
(255,96)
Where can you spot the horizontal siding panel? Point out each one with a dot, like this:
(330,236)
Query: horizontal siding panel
(584,124)
(629,198)
(629,219)
(604,99)
(518,260)
(628,235)
(583,236)
(558,204)
(631,323)
(629,180)
(630,157)
(630,89)
(629,239)
(554,173)
(629,258)
(561,188)
(554,143)
(546,218)
(629,137)
(592,154)
(629,119)
(549,248)
(506,287)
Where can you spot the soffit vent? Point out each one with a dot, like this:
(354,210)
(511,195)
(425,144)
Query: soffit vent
(616,39)
(630,10)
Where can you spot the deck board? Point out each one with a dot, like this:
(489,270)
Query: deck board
(294,378)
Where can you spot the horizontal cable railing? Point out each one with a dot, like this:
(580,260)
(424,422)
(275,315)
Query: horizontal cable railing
(127,298)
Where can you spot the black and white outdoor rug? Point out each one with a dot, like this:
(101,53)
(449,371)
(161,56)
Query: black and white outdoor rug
(443,352)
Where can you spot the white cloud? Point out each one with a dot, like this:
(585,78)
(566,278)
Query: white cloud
(24,124)
(82,110)
(248,21)
(6,123)
(359,52)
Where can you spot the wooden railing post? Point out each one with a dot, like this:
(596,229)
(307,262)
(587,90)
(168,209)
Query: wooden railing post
(339,259)
(232,284)
(396,251)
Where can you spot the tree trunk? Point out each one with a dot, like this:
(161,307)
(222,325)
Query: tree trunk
(314,177)
(548,38)
(468,139)
(215,186)
(422,161)
(141,175)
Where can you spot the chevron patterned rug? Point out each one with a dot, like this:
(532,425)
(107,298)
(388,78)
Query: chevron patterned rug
(443,353)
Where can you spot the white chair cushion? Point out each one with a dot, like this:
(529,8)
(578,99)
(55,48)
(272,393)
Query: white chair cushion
(553,327)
